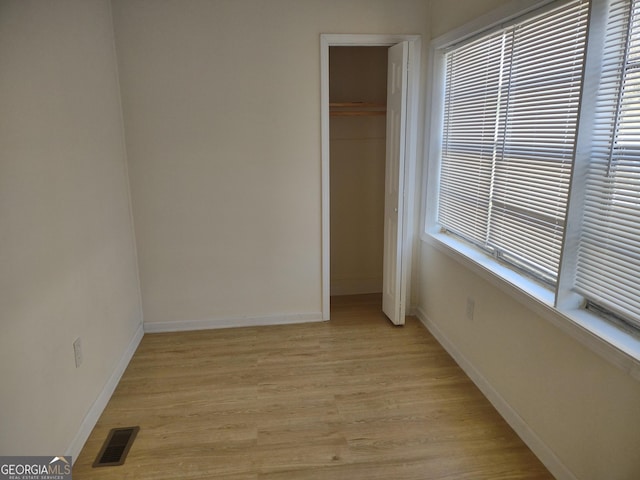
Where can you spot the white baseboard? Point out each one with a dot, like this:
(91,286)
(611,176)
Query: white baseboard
(232,322)
(558,469)
(92,416)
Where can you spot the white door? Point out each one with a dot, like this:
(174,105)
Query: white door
(393,304)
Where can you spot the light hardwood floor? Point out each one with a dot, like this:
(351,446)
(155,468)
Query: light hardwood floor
(354,398)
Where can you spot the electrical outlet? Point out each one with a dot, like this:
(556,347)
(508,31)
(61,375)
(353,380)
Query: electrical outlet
(471,306)
(77,351)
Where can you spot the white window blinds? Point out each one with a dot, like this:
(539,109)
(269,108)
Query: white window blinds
(608,268)
(510,117)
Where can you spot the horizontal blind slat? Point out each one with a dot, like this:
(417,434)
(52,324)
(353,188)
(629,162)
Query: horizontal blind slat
(510,119)
(608,260)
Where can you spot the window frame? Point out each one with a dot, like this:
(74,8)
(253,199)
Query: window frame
(560,305)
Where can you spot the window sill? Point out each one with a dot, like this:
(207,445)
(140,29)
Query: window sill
(616,345)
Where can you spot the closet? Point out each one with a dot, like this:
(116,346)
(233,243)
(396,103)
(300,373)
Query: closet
(357,106)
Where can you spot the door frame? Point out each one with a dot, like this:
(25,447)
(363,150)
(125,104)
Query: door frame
(411,148)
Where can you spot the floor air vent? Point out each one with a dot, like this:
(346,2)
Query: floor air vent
(116,446)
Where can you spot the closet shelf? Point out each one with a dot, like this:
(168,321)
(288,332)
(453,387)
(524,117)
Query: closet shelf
(356,109)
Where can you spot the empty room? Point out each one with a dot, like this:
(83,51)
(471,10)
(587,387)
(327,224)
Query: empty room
(320,239)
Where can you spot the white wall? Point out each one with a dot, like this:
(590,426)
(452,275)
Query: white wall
(222,112)
(446,15)
(67,258)
(584,409)
(357,168)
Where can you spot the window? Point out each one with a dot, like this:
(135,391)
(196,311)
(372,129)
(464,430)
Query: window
(509,130)
(608,269)
(510,117)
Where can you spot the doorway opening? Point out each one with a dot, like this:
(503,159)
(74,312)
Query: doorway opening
(363,253)
(357,148)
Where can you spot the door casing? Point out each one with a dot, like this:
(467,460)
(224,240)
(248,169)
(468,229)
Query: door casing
(411,142)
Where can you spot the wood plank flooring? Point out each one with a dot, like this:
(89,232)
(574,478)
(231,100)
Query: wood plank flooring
(354,398)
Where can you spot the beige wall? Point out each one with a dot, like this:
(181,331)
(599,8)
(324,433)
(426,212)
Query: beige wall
(222,112)
(357,166)
(222,108)
(447,14)
(67,258)
(586,410)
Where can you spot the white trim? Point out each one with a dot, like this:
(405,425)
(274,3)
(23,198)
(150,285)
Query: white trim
(612,343)
(567,270)
(413,101)
(546,455)
(616,345)
(98,406)
(326,196)
(496,18)
(232,322)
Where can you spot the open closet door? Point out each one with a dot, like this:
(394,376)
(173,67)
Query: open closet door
(393,304)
